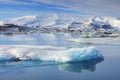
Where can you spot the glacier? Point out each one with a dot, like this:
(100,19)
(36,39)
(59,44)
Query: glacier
(48,53)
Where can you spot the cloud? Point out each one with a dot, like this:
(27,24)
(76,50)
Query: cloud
(95,7)
(19,2)
(34,3)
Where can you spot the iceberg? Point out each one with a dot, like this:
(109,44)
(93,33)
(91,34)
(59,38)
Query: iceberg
(48,53)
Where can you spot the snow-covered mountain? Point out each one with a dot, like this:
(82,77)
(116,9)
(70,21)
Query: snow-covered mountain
(43,20)
(63,21)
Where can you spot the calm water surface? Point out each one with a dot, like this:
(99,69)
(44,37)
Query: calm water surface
(36,70)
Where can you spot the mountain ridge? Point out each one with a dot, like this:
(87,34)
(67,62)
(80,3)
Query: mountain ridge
(62,21)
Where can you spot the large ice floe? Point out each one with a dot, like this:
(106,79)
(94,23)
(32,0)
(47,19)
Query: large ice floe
(48,53)
(108,41)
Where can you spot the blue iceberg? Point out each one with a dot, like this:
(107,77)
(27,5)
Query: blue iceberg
(49,53)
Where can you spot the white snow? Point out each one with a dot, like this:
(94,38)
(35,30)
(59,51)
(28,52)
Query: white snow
(62,21)
(48,53)
(42,20)
(1,23)
(112,41)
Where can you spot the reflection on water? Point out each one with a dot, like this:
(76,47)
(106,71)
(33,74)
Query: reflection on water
(78,67)
(23,64)
(38,39)
(71,67)
(37,70)
(44,39)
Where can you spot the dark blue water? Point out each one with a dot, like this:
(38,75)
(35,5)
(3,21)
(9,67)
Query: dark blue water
(108,69)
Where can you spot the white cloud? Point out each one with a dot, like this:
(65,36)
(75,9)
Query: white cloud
(96,7)
(15,2)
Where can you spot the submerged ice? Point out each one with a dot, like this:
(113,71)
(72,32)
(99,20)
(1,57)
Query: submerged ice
(79,67)
(49,53)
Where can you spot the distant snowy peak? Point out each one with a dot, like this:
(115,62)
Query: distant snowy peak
(113,21)
(39,20)
(43,20)
(62,20)
(1,22)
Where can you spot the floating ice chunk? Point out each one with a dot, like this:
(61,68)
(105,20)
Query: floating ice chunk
(109,41)
(49,53)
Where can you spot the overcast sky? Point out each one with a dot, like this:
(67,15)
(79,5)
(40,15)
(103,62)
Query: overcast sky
(15,8)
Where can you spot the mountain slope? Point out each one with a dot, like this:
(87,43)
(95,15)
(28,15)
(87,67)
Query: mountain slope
(42,20)
(63,21)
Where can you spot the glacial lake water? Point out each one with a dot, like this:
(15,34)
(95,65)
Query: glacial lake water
(37,70)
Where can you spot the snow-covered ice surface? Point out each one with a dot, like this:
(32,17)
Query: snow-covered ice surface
(109,41)
(49,53)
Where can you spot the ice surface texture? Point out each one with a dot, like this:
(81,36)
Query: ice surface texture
(49,53)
